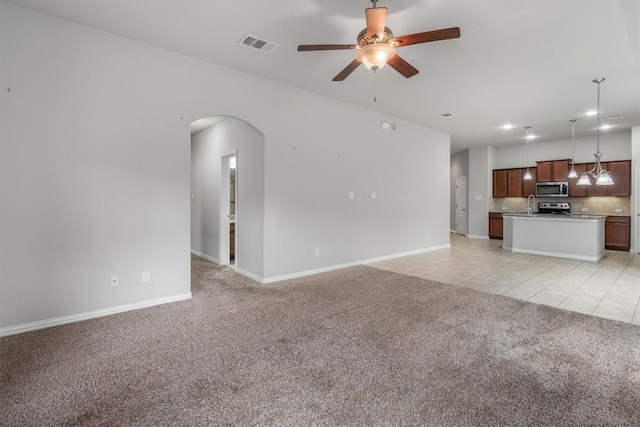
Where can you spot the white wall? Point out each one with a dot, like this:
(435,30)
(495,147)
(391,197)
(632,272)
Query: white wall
(95,171)
(479,184)
(615,146)
(207,147)
(321,161)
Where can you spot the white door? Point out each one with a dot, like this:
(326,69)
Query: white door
(461,205)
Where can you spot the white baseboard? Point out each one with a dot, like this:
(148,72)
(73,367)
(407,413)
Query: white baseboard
(352,264)
(249,275)
(205,256)
(41,324)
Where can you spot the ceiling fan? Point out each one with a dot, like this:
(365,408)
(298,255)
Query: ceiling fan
(377,46)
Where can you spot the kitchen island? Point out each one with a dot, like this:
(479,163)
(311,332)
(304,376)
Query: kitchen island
(568,236)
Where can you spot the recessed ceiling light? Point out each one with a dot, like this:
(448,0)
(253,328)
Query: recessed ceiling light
(507,126)
(605,127)
(532,136)
(591,113)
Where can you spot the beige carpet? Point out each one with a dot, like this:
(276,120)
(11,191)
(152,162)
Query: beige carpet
(353,347)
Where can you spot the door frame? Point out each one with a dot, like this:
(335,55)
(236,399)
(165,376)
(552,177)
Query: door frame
(636,220)
(224,210)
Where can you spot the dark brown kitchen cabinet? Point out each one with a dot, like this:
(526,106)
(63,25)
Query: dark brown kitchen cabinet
(576,190)
(617,233)
(500,183)
(621,175)
(508,182)
(514,182)
(620,171)
(232,241)
(553,171)
(594,190)
(495,225)
(529,185)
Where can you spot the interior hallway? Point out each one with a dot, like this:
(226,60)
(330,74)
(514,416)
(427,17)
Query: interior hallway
(609,288)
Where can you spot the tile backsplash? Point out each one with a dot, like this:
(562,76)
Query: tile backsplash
(594,205)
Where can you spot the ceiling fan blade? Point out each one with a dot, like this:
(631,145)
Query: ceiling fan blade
(376,20)
(347,70)
(310,47)
(402,66)
(427,36)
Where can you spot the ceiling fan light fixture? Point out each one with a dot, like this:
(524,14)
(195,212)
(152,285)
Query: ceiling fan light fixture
(375,56)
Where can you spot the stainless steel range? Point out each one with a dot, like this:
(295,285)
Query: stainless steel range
(554,208)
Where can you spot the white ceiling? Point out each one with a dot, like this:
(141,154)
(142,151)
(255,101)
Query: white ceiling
(526,62)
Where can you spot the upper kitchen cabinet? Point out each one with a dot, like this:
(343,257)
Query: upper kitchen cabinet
(553,171)
(576,190)
(508,182)
(514,182)
(620,171)
(500,183)
(594,190)
(621,174)
(529,186)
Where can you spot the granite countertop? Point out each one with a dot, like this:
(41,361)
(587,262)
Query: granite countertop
(572,214)
(554,216)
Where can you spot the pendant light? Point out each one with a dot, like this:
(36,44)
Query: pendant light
(601,176)
(527,174)
(572,172)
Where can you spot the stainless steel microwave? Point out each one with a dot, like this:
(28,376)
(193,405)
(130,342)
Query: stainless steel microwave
(552,189)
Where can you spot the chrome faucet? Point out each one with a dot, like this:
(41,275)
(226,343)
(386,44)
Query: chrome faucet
(531,207)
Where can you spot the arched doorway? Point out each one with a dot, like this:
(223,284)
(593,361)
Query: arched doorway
(215,141)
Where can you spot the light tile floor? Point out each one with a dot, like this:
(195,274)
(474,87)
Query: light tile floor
(609,288)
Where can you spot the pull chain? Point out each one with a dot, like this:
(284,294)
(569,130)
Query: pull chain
(375,87)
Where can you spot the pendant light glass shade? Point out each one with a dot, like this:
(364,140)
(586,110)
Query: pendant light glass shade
(572,172)
(604,178)
(584,179)
(601,176)
(527,174)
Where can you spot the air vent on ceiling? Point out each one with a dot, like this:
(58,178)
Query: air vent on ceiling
(446,115)
(256,43)
(614,116)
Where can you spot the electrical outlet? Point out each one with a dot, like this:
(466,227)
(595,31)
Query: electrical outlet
(317,251)
(146,276)
(584,209)
(114,280)
(373,195)
(618,210)
(428,236)
(352,194)
(504,208)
